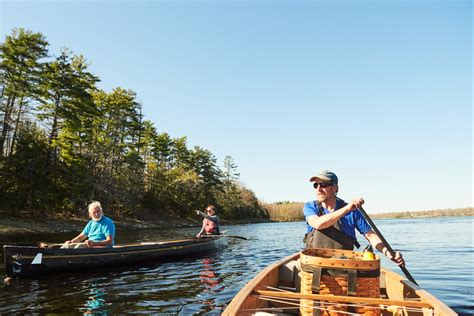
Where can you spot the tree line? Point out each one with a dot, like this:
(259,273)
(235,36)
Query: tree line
(293,211)
(64,142)
(466,211)
(285,211)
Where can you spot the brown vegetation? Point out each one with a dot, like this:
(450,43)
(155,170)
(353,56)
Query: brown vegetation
(285,211)
(293,211)
(467,211)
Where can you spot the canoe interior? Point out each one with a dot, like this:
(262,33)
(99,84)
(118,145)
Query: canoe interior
(283,276)
(24,261)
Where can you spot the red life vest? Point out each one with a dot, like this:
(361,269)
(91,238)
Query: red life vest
(210,227)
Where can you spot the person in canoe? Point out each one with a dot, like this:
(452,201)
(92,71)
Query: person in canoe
(331,222)
(210,223)
(99,231)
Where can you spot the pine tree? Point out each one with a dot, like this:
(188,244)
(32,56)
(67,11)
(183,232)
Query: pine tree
(20,74)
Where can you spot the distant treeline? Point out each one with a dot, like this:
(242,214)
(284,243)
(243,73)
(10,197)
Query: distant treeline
(293,211)
(64,143)
(285,211)
(467,211)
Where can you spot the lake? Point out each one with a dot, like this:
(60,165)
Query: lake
(438,251)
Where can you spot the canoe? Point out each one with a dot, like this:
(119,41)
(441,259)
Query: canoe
(25,261)
(273,292)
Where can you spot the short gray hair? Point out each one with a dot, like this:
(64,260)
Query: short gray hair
(94,205)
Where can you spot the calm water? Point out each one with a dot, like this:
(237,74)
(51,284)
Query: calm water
(439,254)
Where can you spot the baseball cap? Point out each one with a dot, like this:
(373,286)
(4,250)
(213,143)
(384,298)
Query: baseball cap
(325,176)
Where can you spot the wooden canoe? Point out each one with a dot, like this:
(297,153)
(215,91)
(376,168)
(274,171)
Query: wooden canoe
(273,292)
(24,261)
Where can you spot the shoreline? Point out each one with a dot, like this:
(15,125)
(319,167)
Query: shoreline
(24,225)
(460,212)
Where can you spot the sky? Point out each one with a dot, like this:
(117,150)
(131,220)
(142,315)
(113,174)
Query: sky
(379,92)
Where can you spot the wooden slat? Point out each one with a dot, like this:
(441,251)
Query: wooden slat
(267,277)
(330,258)
(345,299)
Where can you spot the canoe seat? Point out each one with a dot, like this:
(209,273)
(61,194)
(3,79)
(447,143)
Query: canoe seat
(289,275)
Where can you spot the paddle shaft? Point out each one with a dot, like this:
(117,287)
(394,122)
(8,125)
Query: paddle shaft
(50,245)
(221,235)
(390,250)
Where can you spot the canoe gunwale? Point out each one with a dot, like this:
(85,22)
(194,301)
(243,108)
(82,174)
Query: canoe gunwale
(115,249)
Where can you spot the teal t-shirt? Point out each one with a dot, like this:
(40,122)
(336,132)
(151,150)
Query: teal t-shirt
(98,231)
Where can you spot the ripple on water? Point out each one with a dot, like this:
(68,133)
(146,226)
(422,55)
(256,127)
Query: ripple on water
(205,284)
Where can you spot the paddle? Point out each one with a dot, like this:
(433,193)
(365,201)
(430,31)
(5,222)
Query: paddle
(222,235)
(43,244)
(377,231)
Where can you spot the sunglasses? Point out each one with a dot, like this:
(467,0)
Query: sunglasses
(322,185)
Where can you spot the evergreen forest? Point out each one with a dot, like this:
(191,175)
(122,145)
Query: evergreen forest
(64,143)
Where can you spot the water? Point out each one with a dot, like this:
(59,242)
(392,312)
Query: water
(438,251)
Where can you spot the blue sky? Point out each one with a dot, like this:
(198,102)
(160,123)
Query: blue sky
(379,92)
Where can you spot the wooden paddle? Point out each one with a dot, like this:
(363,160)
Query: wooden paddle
(43,244)
(222,235)
(390,250)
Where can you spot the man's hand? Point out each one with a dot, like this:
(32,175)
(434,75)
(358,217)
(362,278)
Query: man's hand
(398,259)
(198,235)
(89,243)
(355,204)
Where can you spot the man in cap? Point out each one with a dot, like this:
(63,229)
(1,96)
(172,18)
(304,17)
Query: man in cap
(331,222)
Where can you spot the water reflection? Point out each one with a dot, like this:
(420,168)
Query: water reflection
(95,303)
(211,283)
(208,275)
